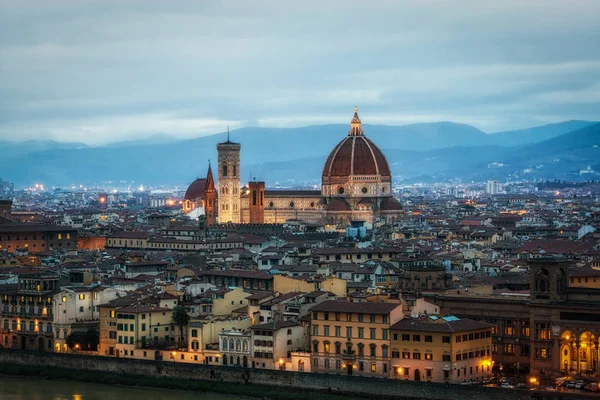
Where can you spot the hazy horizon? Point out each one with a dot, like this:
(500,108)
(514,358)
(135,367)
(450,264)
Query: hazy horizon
(168,137)
(100,72)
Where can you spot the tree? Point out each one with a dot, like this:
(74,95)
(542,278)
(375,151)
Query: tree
(84,340)
(181,318)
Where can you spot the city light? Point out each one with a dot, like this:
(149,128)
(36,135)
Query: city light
(533,380)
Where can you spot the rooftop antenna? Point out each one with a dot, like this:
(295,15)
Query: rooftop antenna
(228,133)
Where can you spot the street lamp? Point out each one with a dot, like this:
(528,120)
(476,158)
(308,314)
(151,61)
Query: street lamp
(534,381)
(173,354)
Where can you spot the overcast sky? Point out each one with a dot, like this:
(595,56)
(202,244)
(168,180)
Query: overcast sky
(101,71)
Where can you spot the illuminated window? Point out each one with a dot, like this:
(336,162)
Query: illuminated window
(59,236)
(82,297)
(64,299)
(428,356)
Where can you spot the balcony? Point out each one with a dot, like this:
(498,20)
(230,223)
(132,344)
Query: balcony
(349,355)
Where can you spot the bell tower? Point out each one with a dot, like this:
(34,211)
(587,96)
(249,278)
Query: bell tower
(229,209)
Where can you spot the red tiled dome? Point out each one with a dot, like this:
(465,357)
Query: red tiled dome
(196,190)
(338,205)
(390,204)
(356,155)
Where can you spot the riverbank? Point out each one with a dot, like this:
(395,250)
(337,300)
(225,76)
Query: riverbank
(249,391)
(259,383)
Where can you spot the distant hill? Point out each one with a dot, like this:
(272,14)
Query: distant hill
(435,151)
(536,134)
(159,138)
(9,148)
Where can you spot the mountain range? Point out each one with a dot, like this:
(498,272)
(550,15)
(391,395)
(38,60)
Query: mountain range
(426,151)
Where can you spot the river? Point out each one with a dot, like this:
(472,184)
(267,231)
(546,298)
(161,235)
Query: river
(41,389)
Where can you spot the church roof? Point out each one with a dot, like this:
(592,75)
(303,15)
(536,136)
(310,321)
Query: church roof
(196,190)
(338,205)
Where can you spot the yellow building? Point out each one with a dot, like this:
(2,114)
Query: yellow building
(203,340)
(585,278)
(142,327)
(285,284)
(440,349)
(352,338)
(231,301)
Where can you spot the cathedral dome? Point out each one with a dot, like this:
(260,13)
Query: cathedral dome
(356,157)
(196,190)
(390,204)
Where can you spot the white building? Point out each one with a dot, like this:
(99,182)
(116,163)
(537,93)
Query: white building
(75,310)
(235,346)
(494,187)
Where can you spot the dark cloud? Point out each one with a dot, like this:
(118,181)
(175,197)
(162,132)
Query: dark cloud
(100,71)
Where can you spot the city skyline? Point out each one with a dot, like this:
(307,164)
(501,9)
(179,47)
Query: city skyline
(100,72)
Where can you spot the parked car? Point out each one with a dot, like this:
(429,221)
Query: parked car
(579,385)
(591,387)
(570,385)
(551,389)
(507,385)
(521,386)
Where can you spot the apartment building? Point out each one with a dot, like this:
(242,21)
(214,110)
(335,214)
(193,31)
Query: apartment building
(352,338)
(440,349)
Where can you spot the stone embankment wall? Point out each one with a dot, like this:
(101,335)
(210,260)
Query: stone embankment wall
(287,380)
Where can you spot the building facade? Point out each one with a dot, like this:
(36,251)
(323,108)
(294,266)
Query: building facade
(27,313)
(553,331)
(441,349)
(352,338)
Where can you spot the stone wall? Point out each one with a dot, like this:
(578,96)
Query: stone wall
(290,380)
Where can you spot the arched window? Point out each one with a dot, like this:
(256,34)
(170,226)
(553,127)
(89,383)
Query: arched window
(14,325)
(561,281)
(224,346)
(542,281)
(238,345)
(231,344)
(289,342)
(245,345)
(6,325)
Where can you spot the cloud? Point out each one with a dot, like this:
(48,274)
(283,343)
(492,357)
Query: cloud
(99,71)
